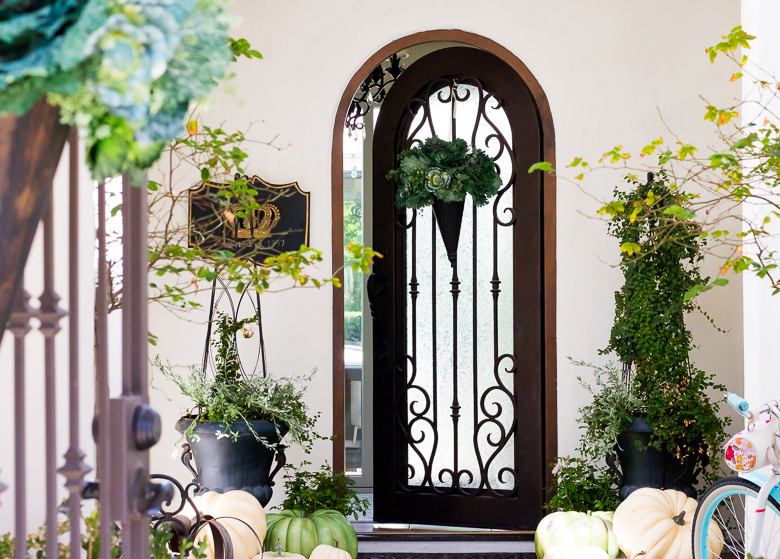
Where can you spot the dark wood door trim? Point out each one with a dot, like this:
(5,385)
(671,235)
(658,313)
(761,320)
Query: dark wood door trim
(548,239)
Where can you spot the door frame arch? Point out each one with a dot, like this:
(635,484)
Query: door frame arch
(544,114)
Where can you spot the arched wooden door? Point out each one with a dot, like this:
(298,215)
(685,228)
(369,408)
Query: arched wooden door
(458,360)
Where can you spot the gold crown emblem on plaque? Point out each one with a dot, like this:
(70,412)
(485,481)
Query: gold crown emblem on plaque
(257,225)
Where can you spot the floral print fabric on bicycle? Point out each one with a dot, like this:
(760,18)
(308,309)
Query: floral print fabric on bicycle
(746,450)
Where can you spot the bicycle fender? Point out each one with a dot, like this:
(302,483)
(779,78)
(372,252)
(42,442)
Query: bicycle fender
(759,479)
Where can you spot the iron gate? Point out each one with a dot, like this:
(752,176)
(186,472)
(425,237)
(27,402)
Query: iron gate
(458,345)
(126,427)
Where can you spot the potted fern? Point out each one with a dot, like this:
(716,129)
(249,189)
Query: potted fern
(238,421)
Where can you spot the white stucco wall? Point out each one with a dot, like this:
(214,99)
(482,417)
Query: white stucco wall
(607,68)
(762,310)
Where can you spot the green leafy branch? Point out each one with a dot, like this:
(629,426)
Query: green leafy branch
(183,264)
(743,168)
(313,491)
(254,397)
(241,47)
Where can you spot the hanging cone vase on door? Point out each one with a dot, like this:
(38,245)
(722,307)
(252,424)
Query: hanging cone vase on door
(449,216)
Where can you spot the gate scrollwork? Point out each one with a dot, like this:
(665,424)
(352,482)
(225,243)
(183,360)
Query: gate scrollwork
(486,456)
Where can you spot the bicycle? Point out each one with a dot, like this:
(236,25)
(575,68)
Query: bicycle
(745,508)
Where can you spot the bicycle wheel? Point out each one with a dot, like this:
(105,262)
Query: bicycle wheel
(730,504)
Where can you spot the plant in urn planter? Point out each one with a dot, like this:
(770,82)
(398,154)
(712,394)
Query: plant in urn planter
(676,431)
(439,173)
(235,429)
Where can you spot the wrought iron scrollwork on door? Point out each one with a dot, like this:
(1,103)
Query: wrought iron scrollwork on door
(458,410)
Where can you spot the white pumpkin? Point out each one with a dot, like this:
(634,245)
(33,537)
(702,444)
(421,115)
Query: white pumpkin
(278,553)
(275,555)
(576,529)
(658,524)
(325,551)
(571,552)
(240,513)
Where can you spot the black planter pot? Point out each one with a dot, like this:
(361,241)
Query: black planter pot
(449,216)
(650,467)
(222,464)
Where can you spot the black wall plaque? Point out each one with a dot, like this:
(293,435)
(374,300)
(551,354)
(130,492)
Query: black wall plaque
(280,224)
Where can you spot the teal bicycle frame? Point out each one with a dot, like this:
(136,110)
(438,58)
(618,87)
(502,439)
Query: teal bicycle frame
(768,484)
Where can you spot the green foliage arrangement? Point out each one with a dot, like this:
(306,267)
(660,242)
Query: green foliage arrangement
(742,168)
(614,403)
(230,395)
(661,253)
(179,263)
(255,397)
(446,171)
(661,250)
(125,71)
(586,483)
(323,490)
(579,484)
(90,542)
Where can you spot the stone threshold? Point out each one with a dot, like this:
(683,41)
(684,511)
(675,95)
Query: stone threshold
(405,541)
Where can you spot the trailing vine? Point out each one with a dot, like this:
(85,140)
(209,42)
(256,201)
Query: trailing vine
(661,253)
(228,364)
(230,396)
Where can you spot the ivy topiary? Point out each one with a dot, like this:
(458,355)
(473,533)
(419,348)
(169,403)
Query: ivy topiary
(661,253)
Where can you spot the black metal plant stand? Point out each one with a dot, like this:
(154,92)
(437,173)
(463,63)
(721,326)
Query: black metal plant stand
(222,464)
(184,527)
(225,293)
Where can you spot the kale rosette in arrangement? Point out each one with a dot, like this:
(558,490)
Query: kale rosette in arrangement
(125,71)
(446,171)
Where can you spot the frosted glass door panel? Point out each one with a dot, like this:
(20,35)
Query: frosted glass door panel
(461,424)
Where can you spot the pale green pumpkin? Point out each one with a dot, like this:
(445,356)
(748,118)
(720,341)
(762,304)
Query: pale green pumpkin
(576,529)
(301,533)
(278,553)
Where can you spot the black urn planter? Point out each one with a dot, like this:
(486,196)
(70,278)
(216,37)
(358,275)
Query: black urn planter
(222,464)
(449,217)
(649,467)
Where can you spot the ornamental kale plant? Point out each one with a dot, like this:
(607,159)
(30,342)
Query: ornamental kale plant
(124,71)
(446,171)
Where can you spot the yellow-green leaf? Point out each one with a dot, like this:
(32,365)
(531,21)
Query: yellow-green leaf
(630,248)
